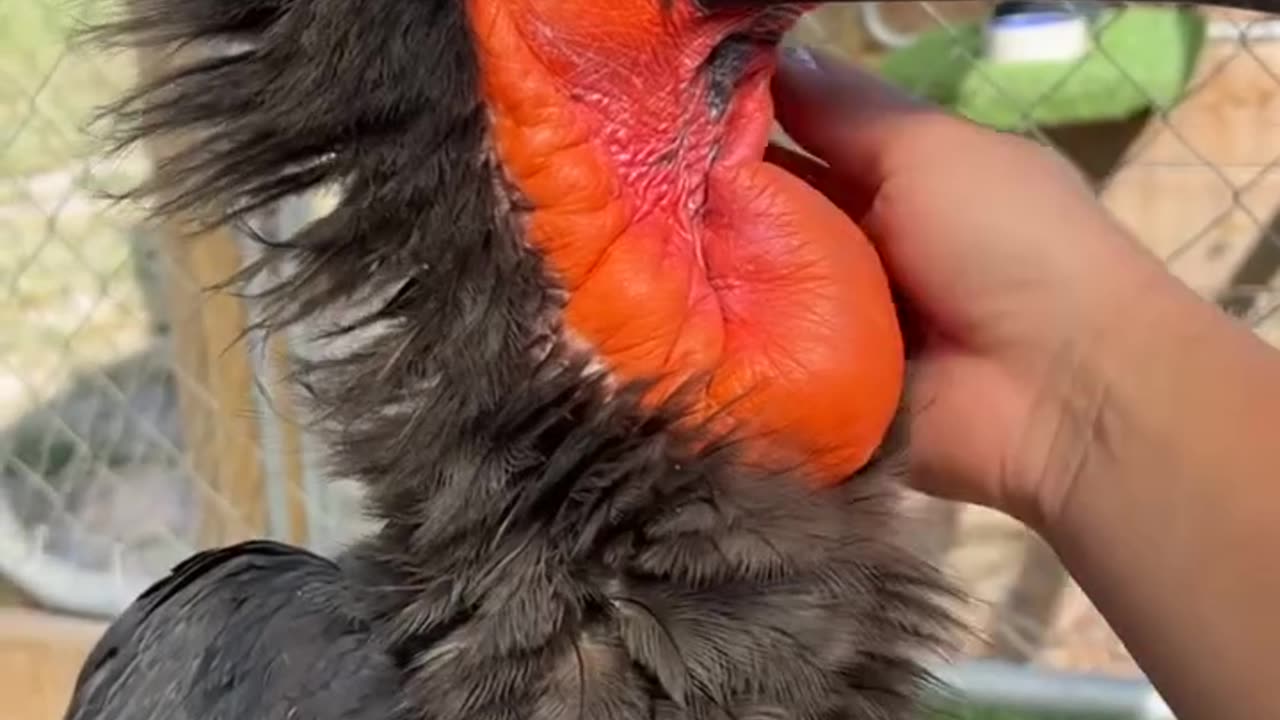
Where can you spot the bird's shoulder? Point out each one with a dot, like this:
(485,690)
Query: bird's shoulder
(254,631)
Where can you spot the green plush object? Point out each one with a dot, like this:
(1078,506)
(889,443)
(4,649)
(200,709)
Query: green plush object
(1141,59)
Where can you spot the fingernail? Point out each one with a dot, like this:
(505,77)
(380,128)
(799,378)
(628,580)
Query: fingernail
(803,56)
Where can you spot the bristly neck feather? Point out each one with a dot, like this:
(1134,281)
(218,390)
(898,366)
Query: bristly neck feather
(382,103)
(549,547)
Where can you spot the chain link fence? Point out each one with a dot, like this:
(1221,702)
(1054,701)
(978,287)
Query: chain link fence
(132,434)
(133,428)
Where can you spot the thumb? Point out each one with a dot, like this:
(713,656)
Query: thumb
(855,122)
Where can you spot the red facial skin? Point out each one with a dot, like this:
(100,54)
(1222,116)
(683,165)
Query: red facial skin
(682,249)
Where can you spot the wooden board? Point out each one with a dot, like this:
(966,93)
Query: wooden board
(40,656)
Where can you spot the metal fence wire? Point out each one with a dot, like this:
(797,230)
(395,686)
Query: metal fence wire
(130,435)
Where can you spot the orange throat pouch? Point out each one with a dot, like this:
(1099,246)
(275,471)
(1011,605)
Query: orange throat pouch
(637,137)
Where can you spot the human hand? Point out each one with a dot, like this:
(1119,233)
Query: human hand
(1062,375)
(1014,278)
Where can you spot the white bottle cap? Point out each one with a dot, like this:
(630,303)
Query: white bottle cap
(1037,36)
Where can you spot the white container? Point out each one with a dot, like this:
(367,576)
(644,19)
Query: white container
(1037,36)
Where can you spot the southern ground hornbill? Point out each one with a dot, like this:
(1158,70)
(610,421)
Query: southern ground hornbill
(620,390)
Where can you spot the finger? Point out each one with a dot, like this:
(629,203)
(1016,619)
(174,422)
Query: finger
(852,120)
(849,197)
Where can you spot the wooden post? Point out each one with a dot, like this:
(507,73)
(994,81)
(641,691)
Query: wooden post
(215,385)
(290,446)
(213,369)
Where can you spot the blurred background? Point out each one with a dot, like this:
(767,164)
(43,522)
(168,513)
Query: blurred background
(137,425)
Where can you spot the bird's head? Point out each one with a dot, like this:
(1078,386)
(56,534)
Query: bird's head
(624,140)
(635,133)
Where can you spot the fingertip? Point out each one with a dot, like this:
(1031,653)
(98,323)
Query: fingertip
(803,103)
(801,58)
(813,69)
(797,86)
(832,108)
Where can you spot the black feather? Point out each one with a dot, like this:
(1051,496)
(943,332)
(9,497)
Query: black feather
(549,548)
(257,630)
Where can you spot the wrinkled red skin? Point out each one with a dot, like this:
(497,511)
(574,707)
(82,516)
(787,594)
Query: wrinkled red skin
(682,249)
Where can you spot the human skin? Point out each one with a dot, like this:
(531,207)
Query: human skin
(1062,376)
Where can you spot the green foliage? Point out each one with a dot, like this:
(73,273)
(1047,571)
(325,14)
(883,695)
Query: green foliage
(1142,59)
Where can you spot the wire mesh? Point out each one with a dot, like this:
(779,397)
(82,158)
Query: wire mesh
(131,425)
(120,446)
